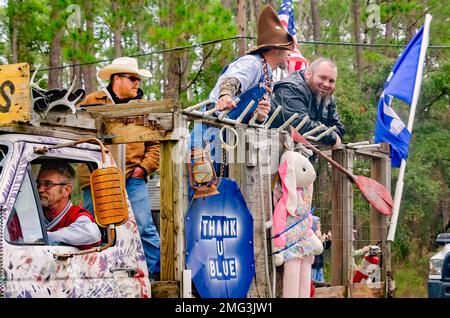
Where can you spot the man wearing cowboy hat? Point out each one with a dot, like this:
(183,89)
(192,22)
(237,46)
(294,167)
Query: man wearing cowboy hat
(250,76)
(141,158)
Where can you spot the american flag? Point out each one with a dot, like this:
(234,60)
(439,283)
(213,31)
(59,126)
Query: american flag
(286,15)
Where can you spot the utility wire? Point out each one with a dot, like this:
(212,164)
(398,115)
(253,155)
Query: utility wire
(181,48)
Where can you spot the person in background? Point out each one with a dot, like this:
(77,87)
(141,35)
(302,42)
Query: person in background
(317,267)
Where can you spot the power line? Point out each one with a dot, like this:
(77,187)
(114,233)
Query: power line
(181,48)
(370,45)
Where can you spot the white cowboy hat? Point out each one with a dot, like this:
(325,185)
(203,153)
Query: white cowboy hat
(122,65)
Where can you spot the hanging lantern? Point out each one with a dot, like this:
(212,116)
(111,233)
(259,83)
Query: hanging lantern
(202,175)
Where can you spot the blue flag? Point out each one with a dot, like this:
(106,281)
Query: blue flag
(400,84)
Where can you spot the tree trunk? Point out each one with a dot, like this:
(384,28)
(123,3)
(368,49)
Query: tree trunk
(241,23)
(55,75)
(89,76)
(117,31)
(299,18)
(251,18)
(315,19)
(257,10)
(172,85)
(226,4)
(356,14)
(388,31)
(14,41)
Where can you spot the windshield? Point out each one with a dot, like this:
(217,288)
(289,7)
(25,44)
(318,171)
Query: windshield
(3,152)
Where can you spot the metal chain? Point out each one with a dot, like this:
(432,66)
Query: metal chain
(222,165)
(267,78)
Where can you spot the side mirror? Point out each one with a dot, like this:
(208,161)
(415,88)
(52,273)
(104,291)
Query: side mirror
(108,197)
(443,239)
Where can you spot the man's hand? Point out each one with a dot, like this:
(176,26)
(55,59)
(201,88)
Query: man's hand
(337,143)
(263,109)
(225,102)
(139,173)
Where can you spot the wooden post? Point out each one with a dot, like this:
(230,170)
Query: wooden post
(173,201)
(118,153)
(342,221)
(237,165)
(381,172)
(259,287)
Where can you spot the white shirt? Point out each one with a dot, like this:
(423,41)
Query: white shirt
(247,69)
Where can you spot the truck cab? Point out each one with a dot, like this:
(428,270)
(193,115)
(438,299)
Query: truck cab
(439,277)
(31,267)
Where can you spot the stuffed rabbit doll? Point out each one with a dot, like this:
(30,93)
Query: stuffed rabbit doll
(295,242)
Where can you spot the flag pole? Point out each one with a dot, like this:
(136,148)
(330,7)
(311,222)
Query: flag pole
(412,113)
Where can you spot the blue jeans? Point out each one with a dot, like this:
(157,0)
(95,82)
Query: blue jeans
(317,275)
(140,203)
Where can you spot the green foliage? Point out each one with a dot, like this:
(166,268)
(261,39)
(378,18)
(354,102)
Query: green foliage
(155,26)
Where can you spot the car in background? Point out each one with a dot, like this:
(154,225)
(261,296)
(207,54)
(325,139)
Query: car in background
(439,277)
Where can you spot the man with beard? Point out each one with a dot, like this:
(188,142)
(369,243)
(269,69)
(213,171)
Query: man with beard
(66,223)
(310,93)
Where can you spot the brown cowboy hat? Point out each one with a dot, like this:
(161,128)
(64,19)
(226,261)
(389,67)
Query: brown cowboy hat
(271,33)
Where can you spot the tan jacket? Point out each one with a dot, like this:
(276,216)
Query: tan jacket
(143,154)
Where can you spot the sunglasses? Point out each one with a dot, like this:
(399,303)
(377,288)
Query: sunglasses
(48,184)
(131,77)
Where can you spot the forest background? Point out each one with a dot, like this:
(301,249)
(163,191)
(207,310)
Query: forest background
(185,44)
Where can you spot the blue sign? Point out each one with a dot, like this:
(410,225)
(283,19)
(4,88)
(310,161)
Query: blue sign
(219,243)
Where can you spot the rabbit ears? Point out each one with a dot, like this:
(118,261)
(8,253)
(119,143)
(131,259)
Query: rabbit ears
(295,172)
(288,181)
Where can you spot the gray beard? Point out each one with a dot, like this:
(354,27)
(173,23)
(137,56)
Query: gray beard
(45,202)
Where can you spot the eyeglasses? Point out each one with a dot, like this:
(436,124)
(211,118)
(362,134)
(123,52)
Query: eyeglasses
(131,77)
(48,184)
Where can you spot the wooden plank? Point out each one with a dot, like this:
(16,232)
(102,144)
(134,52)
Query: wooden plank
(330,292)
(119,132)
(56,132)
(342,220)
(180,203)
(347,191)
(260,211)
(132,109)
(371,153)
(15,100)
(167,211)
(363,290)
(165,289)
(380,171)
(80,120)
(237,165)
